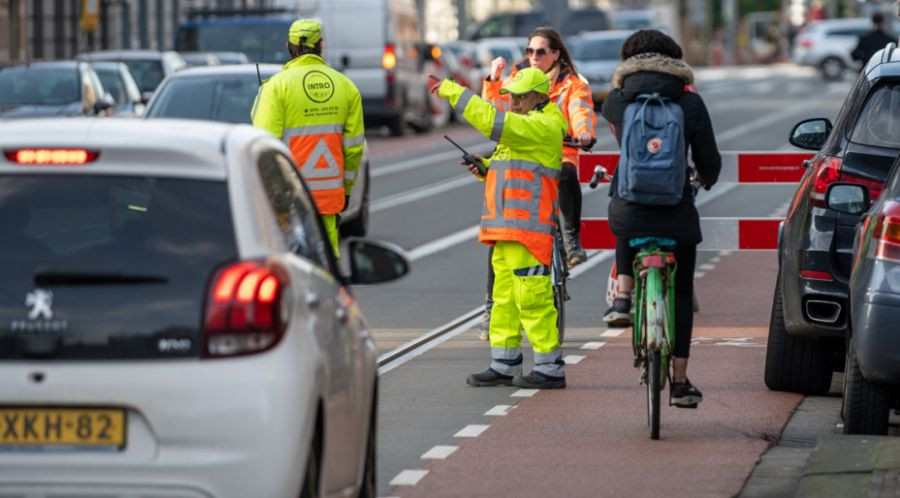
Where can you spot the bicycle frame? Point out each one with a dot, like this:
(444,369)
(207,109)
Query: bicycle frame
(654,271)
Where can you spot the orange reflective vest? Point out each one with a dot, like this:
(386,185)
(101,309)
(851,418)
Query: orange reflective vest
(571,95)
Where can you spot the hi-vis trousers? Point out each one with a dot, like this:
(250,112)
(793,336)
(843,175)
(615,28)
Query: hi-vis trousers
(523,298)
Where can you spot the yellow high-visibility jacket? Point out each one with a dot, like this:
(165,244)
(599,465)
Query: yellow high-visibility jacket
(521,195)
(317,112)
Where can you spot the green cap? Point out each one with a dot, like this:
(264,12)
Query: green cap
(305,32)
(528,80)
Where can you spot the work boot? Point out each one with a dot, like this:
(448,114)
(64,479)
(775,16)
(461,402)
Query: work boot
(489,378)
(575,254)
(685,395)
(619,314)
(537,380)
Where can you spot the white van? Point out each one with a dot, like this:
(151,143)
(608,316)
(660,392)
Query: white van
(376,43)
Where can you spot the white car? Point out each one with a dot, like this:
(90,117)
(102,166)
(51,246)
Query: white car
(172,320)
(827,44)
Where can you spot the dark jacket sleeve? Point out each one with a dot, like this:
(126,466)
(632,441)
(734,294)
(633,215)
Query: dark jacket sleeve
(613,111)
(702,139)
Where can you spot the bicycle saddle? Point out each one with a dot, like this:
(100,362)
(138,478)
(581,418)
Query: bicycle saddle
(662,242)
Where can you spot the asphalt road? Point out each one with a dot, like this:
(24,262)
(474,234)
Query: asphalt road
(426,203)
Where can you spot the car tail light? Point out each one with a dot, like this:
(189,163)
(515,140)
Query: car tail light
(829,171)
(51,157)
(389,57)
(805,43)
(246,311)
(816,275)
(886,233)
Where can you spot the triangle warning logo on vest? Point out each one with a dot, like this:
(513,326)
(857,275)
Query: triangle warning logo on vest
(318,161)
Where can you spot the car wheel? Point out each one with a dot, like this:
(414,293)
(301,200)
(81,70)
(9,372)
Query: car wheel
(867,405)
(311,477)
(368,488)
(359,225)
(395,124)
(796,364)
(425,122)
(832,68)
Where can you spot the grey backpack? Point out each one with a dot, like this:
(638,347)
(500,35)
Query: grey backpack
(653,164)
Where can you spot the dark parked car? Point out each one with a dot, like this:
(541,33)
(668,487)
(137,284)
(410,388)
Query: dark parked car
(872,370)
(45,89)
(808,329)
(226,94)
(119,83)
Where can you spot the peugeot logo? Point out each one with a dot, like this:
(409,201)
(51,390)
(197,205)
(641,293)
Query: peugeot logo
(41,303)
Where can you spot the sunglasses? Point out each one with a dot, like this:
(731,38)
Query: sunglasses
(539,52)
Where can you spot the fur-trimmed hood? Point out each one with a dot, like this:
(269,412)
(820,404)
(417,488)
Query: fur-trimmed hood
(651,62)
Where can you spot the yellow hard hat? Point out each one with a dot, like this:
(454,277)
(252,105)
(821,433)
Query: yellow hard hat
(528,80)
(305,32)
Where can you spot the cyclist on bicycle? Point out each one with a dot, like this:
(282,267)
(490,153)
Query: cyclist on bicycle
(547,52)
(519,219)
(651,64)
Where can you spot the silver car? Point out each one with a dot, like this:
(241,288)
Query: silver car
(827,44)
(148,67)
(172,320)
(596,56)
(226,93)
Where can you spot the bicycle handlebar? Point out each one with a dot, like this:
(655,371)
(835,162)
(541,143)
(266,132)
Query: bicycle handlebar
(599,172)
(571,142)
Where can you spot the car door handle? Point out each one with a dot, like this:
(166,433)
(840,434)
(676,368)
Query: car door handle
(312,300)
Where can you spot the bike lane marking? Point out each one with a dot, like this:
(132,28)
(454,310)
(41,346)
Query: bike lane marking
(612,332)
(593,345)
(524,393)
(408,477)
(439,452)
(472,430)
(499,410)
(573,359)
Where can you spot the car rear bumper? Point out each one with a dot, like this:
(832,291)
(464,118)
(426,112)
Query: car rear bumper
(876,339)
(224,428)
(805,302)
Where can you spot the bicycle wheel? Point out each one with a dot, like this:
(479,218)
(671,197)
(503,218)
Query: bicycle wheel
(558,277)
(653,392)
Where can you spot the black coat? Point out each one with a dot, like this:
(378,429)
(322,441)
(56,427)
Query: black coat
(869,44)
(681,222)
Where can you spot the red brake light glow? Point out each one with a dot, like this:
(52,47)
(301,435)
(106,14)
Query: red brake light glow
(816,275)
(829,171)
(886,233)
(245,312)
(51,157)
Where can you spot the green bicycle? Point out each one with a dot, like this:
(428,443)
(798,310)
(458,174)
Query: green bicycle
(653,334)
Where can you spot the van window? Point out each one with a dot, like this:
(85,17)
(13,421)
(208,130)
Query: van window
(879,122)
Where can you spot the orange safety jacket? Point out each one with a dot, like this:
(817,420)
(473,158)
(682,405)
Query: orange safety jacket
(569,92)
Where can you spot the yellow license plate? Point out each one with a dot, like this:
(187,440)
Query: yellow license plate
(80,427)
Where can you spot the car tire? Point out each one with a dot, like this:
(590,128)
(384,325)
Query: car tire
(867,405)
(396,125)
(359,226)
(311,484)
(832,69)
(796,364)
(426,121)
(368,488)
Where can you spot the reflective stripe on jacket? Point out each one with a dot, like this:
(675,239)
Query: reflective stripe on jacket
(571,95)
(520,200)
(317,112)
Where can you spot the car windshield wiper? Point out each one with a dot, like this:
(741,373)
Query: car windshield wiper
(95,278)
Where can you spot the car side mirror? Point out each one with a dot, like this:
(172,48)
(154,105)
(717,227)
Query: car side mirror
(103,104)
(811,134)
(847,198)
(374,262)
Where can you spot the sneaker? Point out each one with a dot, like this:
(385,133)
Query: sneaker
(575,254)
(489,378)
(535,380)
(619,314)
(685,395)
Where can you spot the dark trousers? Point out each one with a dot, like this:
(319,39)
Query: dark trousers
(569,206)
(686,257)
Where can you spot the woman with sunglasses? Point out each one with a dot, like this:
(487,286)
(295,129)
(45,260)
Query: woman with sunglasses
(546,52)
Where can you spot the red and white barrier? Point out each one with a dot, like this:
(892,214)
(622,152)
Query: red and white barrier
(718,233)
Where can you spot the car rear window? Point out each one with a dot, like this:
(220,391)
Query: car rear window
(148,74)
(879,122)
(216,98)
(126,261)
(599,49)
(39,86)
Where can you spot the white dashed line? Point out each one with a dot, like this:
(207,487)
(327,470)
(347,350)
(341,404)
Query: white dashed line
(498,410)
(699,274)
(726,252)
(593,345)
(612,333)
(408,478)
(715,259)
(707,267)
(524,393)
(573,359)
(439,452)
(471,430)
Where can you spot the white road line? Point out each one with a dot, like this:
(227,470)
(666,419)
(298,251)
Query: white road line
(593,345)
(408,478)
(715,259)
(612,333)
(766,120)
(699,274)
(439,452)
(726,252)
(442,243)
(464,327)
(707,267)
(499,410)
(524,393)
(433,158)
(471,430)
(421,193)
(573,359)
